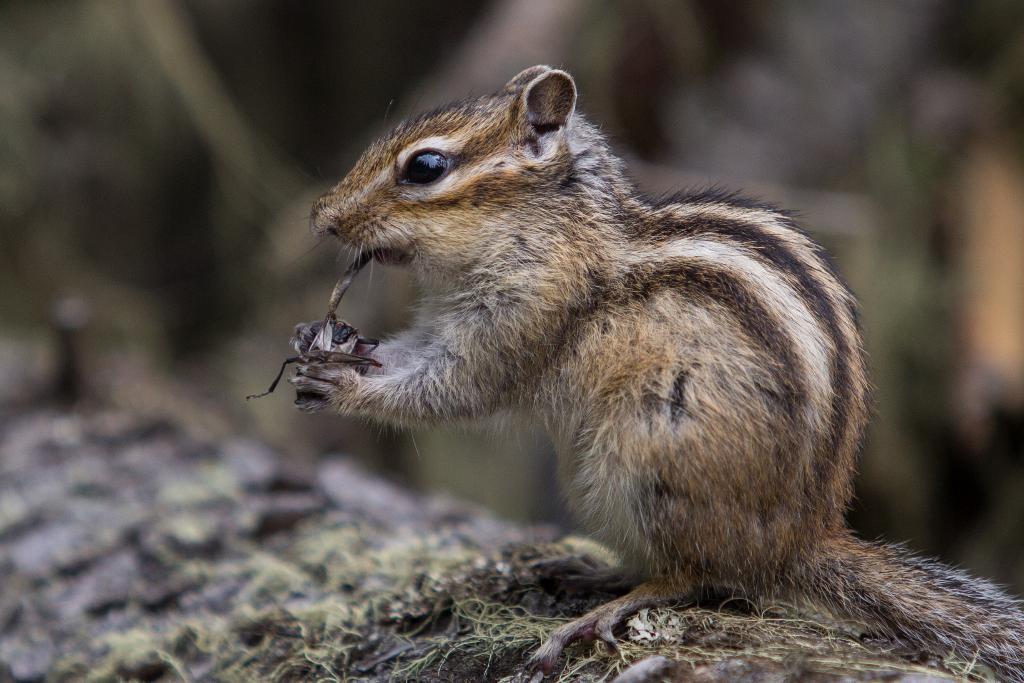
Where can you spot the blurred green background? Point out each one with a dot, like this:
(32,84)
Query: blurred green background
(158,159)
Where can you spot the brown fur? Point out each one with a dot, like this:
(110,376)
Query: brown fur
(696,360)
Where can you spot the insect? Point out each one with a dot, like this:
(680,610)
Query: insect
(331,340)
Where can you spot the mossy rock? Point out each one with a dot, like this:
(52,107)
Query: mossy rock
(132,550)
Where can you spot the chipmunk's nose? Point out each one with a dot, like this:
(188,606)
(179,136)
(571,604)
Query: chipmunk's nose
(324,217)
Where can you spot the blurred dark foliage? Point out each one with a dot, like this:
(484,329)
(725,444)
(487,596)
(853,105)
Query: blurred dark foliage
(158,158)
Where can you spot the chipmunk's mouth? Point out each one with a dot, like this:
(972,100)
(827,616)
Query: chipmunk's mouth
(392,256)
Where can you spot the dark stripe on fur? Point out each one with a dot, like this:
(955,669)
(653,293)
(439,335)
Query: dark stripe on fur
(777,254)
(677,397)
(715,194)
(720,287)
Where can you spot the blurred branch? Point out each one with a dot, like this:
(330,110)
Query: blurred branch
(236,145)
(513,35)
(992,295)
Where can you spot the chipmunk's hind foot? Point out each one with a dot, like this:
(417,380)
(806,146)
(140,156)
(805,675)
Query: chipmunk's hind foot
(600,623)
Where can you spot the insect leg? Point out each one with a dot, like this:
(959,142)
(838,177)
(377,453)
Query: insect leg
(349,358)
(273,385)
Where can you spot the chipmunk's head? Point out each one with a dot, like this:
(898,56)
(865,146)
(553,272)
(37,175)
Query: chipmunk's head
(470,186)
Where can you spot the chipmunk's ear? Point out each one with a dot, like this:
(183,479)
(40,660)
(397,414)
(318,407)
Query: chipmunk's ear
(550,99)
(524,77)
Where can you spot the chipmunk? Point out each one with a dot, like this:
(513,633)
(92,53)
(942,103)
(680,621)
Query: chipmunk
(697,361)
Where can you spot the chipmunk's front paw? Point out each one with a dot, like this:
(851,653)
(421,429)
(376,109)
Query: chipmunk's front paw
(319,386)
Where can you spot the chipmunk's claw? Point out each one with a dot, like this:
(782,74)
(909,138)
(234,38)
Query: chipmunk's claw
(314,385)
(311,403)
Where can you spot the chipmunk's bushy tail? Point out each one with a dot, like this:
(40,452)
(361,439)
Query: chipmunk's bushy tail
(922,602)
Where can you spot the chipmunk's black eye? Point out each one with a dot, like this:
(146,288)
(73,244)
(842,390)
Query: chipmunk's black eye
(425,167)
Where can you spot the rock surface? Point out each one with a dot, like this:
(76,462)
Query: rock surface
(132,550)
